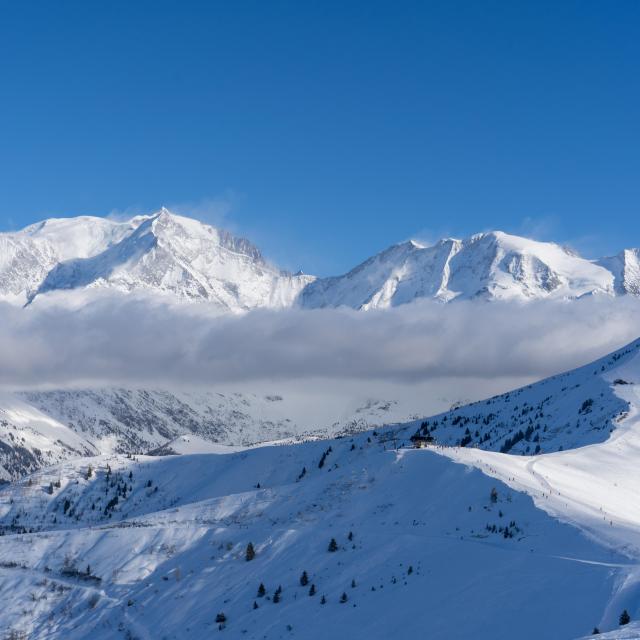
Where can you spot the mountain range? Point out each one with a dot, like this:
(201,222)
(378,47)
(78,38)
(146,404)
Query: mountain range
(179,258)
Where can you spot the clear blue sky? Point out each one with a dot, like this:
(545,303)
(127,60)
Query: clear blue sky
(328,130)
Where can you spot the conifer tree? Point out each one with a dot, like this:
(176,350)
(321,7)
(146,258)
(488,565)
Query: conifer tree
(255,604)
(250,553)
(276,597)
(261,591)
(312,590)
(625,618)
(343,597)
(333,545)
(323,600)
(304,579)
(221,618)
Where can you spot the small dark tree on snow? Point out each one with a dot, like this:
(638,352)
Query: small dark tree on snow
(250,553)
(89,472)
(333,545)
(493,495)
(312,590)
(353,584)
(255,604)
(323,600)
(625,618)
(261,591)
(595,632)
(410,570)
(221,618)
(350,536)
(343,597)
(304,579)
(50,489)
(276,597)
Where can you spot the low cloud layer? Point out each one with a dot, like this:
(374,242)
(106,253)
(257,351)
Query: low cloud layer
(122,340)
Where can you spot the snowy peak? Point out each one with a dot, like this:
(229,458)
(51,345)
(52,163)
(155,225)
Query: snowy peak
(625,268)
(493,265)
(163,254)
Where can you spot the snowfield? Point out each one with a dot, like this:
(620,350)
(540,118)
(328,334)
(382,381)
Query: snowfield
(170,555)
(449,541)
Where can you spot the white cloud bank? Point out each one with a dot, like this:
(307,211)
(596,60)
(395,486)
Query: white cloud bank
(125,340)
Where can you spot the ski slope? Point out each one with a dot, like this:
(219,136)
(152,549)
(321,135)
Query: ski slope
(170,556)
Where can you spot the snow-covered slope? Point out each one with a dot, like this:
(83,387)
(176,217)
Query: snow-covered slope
(491,265)
(164,254)
(156,548)
(140,420)
(30,439)
(566,411)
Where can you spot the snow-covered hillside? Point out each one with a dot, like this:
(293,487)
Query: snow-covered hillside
(156,548)
(566,411)
(30,439)
(181,259)
(491,265)
(139,420)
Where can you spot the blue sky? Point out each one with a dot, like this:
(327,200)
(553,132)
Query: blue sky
(327,131)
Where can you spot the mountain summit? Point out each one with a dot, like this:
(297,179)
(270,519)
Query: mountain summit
(492,265)
(164,254)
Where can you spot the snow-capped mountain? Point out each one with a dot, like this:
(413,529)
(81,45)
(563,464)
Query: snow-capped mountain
(168,255)
(161,253)
(526,546)
(491,265)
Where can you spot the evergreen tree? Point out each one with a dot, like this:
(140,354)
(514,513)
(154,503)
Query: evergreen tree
(350,536)
(494,495)
(221,618)
(276,597)
(353,584)
(304,579)
(255,604)
(250,553)
(333,545)
(323,600)
(312,590)
(595,632)
(343,597)
(410,570)
(261,591)
(625,618)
